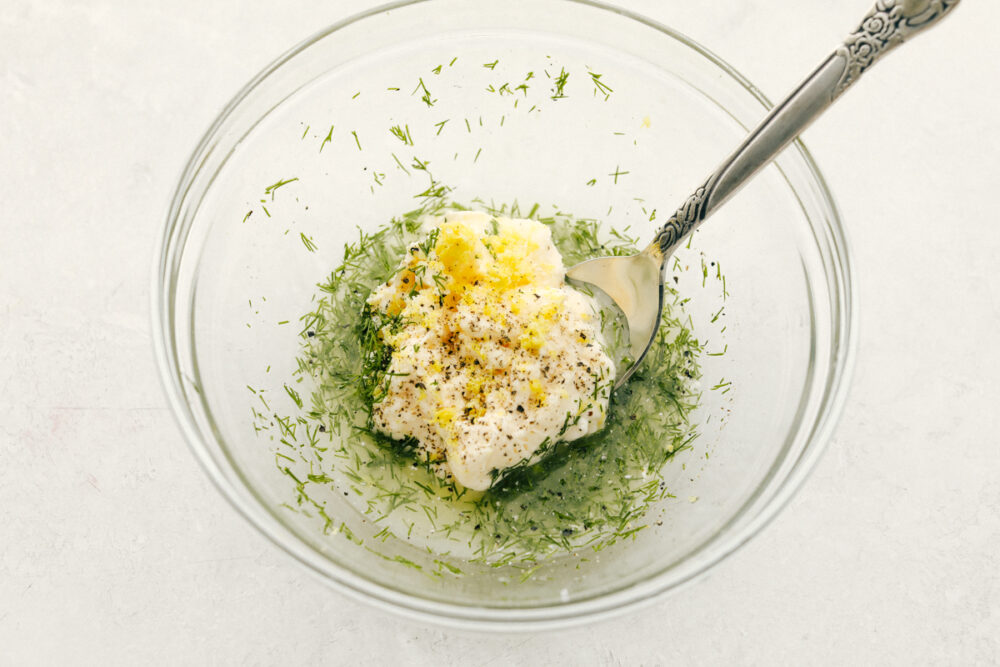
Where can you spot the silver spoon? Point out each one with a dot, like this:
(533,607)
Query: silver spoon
(630,281)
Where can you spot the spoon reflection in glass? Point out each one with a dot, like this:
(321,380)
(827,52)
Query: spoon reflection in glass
(635,283)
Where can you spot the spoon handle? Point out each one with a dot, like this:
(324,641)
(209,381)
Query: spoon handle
(886,26)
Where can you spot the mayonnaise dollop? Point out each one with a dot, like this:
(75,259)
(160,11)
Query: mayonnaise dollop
(493,355)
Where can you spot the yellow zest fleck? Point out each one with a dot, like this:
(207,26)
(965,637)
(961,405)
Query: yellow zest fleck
(444,417)
(456,250)
(550,312)
(475,385)
(537,393)
(502,265)
(395,306)
(533,337)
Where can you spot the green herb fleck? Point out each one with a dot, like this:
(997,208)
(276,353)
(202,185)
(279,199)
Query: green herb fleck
(327,139)
(402,133)
(600,86)
(618,172)
(559,91)
(426,97)
(271,189)
(308,242)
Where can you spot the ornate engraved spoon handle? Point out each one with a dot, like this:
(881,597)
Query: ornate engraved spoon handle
(886,26)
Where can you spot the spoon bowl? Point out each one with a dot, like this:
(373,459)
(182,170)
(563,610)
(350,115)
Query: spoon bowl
(630,282)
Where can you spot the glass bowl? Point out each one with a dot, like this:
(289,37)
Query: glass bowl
(580,107)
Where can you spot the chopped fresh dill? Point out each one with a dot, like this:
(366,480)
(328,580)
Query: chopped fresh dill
(402,133)
(327,139)
(723,384)
(308,242)
(294,395)
(271,189)
(600,86)
(492,65)
(559,90)
(400,164)
(356,140)
(528,515)
(618,172)
(426,97)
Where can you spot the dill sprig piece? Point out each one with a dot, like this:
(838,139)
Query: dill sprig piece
(308,242)
(271,189)
(402,132)
(426,96)
(327,139)
(559,89)
(600,86)
(618,172)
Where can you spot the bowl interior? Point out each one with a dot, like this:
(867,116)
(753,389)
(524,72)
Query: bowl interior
(480,95)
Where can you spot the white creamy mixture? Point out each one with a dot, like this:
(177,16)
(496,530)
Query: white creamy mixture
(494,356)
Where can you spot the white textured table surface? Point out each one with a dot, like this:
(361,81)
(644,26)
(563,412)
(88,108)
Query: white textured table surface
(115,548)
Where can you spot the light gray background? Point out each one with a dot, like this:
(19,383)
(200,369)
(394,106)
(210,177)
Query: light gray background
(115,549)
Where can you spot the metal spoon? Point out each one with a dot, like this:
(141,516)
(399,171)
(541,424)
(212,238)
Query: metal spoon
(635,283)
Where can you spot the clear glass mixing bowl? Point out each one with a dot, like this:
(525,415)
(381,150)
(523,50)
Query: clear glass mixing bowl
(618,117)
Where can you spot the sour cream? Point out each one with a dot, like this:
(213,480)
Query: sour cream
(494,356)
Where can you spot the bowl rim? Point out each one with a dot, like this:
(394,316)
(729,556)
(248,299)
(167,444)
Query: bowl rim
(843,343)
